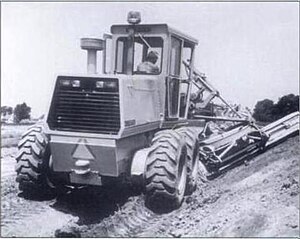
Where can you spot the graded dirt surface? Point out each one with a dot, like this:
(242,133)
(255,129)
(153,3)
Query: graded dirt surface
(260,199)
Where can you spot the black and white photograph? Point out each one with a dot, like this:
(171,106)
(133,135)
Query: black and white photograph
(150,119)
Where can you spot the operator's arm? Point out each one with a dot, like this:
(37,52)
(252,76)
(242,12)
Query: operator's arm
(142,67)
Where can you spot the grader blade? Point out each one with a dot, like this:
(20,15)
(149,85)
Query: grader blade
(225,150)
(281,129)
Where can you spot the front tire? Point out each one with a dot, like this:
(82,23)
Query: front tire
(33,163)
(166,172)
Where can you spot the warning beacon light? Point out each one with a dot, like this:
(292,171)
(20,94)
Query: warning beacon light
(134,17)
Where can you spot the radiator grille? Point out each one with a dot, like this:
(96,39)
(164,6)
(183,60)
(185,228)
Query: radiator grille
(85,109)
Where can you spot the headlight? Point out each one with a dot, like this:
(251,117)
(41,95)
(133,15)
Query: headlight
(65,82)
(106,84)
(73,83)
(110,84)
(99,84)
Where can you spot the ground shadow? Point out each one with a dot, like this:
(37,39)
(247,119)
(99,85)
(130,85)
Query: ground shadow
(38,196)
(92,204)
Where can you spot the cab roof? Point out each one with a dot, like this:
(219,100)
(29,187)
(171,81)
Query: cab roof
(152,29)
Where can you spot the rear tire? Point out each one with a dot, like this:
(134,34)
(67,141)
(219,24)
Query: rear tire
(165,172)
(191,139)
(33,163)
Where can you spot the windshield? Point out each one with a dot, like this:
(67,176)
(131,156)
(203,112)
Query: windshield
(144,56)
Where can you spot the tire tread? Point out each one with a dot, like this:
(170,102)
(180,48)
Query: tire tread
(32,160)
(161,170)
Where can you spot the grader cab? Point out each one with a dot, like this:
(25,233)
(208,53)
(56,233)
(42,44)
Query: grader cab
(144,119)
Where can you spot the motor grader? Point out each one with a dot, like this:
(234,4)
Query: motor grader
(159,130)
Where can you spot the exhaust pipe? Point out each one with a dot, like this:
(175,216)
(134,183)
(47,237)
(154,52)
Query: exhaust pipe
(92,45)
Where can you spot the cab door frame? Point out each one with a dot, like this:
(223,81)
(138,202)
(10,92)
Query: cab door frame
(173,78)
(174,82)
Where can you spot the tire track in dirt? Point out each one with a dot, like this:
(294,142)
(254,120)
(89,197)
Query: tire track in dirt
(131,219)
(134,219)
(128,221)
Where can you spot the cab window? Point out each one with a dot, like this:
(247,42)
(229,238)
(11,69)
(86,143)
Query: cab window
(120,67)
(175,56)
(146,55)
(187,51)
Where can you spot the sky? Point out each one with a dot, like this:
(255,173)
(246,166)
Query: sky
(248,50)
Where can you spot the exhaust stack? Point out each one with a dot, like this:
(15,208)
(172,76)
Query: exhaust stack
(92,45)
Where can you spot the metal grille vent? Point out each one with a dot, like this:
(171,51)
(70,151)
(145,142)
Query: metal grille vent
(85,109)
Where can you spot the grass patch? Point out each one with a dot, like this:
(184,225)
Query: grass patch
(11,134)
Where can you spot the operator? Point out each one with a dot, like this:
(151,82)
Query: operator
(148,65)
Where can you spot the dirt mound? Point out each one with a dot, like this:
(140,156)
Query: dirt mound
(260,199)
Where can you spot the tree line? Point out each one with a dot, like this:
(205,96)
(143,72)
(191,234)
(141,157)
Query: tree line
(20,112)
(267,111)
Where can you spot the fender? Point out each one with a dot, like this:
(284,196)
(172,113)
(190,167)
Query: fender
(138,165)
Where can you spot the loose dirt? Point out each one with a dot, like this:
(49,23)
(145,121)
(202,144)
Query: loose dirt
(260,199)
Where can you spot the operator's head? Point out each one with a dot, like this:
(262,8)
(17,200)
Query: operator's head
(152,56)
